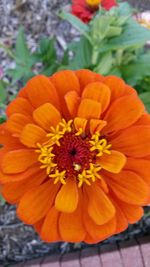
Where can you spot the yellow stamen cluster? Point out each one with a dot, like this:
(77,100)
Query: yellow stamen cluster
(57,133)
(46,157)
(89,175)
(100,145)
(59,177)
(93,3)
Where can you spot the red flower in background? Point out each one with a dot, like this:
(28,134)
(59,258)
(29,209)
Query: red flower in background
(85,9)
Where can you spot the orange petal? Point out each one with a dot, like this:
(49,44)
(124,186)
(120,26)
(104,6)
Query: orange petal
(87,76)
(38,225)
(65,81)
(99,232)
(7,178)
(40,90)
(123,113)
(19,105)
(35,204)
(113,162)
(100,208)
(89,109)
(16,122)
(49,231)
(72,102)
(71,226)
(141,167)
(99,92)
(23,92)
(96,125)
(18,160)
(143,120)
(116,85)
(128,187)
(31,135)
(80,123)
(134,141)
(121,221)
(13,191)
(67,197)
(46,116)
(132,213)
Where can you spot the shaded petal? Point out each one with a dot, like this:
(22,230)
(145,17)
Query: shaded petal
(143,120)
(46,116)
(121,221)
(65,81)
(32,134)
(29,173)
(18,160)
(134,141)
(87,76)
(80,123)
(96,125)
(67,197)
(123,113)
(116,85)
(71,226)
(16,122)
(89,109)
(139,166)
(99,92)
(100,208)
(35,203)
(7,139)
(72,101)
(128,187)
(113,162)
(49,231)
(99,232)
(19,105)
(40,90)
(133,213)
(13,191)
(23,92)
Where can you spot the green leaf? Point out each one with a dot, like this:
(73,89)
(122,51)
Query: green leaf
(137,70)
(22,51)
(3,92)
(49,70)
(133,35)
(145,97)
(47,51)
(106,61)
(100,27)
(82,55)
(77,23)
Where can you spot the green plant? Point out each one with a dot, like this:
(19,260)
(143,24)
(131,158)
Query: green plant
(113,43)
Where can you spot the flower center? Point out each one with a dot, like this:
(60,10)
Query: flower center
(70,153)
(93,3)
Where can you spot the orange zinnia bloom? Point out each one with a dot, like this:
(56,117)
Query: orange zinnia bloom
(76,156)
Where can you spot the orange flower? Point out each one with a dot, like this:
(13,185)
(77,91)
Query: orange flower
(76,156)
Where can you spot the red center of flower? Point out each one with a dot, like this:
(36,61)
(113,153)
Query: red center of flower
(73,151)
